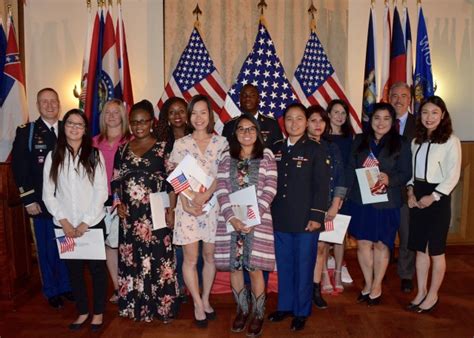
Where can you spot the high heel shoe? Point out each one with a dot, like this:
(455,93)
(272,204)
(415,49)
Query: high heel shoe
(420,310)
(414,307)
(211,315)
(363,297)
(374,301)
(78,326)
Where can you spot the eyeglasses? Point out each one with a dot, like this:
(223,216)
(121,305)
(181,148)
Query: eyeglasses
(135,123)
(74,125)
(250,130)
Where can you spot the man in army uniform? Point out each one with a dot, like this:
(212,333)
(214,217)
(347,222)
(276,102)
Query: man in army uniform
(249,103)
(32,143)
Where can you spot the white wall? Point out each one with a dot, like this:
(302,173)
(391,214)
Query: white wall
(54,46)
(450,30)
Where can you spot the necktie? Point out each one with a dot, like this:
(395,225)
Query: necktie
(397,125)
(54,133)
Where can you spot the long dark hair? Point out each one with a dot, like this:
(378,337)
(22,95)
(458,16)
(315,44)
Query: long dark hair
(392,139)
(234,144)
(163,129)
(88,155)
(346,129)
(445,128)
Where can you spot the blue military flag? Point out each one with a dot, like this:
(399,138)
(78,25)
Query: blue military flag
(369,97)
(423,77)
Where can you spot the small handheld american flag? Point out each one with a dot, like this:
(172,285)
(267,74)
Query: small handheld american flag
(115,200)
(66,244)
(179,183)
(370,161)
(329,225)
(251,213)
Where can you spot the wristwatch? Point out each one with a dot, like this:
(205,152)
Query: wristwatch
(436,196)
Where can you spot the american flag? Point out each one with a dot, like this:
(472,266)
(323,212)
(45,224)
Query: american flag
(329,225)
(196,74)
(250,213)
(179,183)
(262,69)
(115,200)
(370,161)
(315,82)
(66,244)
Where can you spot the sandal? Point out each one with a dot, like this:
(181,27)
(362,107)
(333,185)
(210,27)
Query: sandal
(115,297)
(337,282)
(326,286)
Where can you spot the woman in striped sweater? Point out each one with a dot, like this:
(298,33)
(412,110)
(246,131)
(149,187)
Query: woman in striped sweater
(247,163)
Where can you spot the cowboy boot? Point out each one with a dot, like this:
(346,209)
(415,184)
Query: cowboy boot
(240,320)
(258,312)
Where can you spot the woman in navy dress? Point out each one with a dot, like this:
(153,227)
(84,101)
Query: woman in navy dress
(375,225)
(340,132)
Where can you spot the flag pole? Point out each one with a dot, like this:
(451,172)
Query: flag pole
(262,5)
(197,11)
(312,11)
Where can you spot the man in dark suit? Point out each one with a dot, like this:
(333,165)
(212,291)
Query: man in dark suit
(249,103)
(32,143)
(400,99)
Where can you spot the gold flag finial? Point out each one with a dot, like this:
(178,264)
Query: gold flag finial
(111,3)
(262,5)
(418,2)
(88,3)
(372,3)
(312,11)
(197,11)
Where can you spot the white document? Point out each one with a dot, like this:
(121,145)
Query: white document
(88,246)
(368,183)
(341,223)
(244,202)
(197,179)
(159,201)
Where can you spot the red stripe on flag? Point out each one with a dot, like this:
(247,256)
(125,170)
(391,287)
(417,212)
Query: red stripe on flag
(201,90)
(219,90)
(324,94)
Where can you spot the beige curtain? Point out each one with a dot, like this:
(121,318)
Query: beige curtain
(229,28)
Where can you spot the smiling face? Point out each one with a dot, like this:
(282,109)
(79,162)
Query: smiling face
(316,126)
(200,116)
(337,116)
(74,128)
(381,123)
(48,105)
(140,123)
(246,133)
(431,116)
(112,117)
(177,114)
(400,99)
(295,122)
(249,99)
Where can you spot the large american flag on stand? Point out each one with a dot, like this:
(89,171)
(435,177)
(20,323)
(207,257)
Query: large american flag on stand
(316,82)
(263,69)
(196,74)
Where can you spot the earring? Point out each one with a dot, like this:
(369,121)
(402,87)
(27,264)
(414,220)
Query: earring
(151,130)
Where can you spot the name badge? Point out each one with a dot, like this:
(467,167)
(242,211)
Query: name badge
(278,156)
(299,161)
(41,146)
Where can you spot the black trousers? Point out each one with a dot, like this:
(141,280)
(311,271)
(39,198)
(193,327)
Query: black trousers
(98,272)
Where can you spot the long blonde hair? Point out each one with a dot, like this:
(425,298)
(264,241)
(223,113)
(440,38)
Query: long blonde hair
(123,116)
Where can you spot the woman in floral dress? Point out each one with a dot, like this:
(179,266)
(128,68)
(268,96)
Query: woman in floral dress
(147,278)
(192,224)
